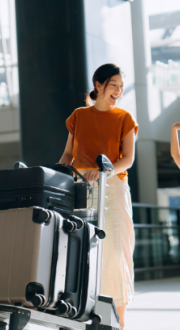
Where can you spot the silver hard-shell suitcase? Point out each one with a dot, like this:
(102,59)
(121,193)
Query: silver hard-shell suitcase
(48,261)
(33,255)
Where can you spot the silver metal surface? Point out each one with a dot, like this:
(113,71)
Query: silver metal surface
(91,295)
(49,321)
(110,174)
(25,254)
(106,311)
(87,214)
(62,262)
(101,213)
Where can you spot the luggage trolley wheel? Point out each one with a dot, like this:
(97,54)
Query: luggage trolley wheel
(97,319)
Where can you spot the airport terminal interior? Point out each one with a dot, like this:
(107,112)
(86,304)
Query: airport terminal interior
(49,51)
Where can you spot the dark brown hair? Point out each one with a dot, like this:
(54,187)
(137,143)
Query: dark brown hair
(102,74)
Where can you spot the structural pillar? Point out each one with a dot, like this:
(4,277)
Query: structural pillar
(146,150)
(52,74)
(147,171)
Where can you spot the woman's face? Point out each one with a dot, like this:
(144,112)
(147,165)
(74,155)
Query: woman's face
(113,90)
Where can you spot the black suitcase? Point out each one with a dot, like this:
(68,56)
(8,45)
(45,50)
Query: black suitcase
(41,186)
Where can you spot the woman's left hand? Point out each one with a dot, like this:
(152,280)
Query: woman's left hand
(91,175)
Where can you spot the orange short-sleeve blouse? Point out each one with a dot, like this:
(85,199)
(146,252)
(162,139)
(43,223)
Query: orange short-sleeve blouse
(99,132)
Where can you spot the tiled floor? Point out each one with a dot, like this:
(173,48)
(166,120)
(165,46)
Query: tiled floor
(156,306)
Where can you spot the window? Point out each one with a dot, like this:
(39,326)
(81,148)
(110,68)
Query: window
(8,55)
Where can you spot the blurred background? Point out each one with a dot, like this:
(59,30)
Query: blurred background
(49,51)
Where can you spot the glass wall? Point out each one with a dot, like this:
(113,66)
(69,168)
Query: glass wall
(164,26)
(157,249)
(8,55)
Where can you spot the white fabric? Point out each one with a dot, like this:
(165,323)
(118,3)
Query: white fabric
(118,274)
(118,268)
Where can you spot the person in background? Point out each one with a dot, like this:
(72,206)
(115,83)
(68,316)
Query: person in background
(175,150)
(104,128)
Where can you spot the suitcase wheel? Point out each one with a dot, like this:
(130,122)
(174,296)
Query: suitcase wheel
(97,319)
(41,216)
(79,222)
(100,233)
(69,226)
(73,312)
(38,300)
(62,307)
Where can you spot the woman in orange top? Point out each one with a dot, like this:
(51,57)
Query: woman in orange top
(103,128)
(175,144)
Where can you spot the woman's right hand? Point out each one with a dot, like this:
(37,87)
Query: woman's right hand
(91,175)
(176,126)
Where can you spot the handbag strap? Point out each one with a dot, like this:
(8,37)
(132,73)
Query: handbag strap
(71,168)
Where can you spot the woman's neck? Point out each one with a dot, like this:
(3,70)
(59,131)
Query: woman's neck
(100,105)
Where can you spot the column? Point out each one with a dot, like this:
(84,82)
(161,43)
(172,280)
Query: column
(52,74)
(146,151)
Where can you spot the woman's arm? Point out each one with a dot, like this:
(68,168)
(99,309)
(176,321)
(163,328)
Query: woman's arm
(122,164)
(67,156)
(127,153)
(175,144)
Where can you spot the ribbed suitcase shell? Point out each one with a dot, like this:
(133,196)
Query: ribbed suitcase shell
(25,187)
(26,256)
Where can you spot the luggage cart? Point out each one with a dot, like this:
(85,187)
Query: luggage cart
(105,316)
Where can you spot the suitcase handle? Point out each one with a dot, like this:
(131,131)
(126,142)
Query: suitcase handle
(19,165)
(71,168)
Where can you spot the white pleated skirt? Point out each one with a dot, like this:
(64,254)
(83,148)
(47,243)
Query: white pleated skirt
(118,272)
(118,246)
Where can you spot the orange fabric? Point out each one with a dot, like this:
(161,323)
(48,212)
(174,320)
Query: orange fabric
(96,132)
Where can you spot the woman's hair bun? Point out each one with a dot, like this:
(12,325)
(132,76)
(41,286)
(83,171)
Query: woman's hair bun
(92,95)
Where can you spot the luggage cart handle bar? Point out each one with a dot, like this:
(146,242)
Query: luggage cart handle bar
(105,166)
